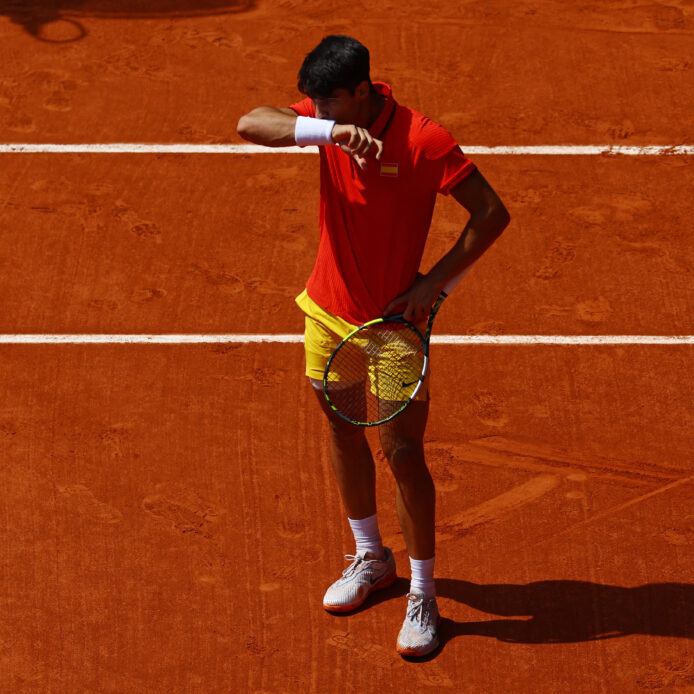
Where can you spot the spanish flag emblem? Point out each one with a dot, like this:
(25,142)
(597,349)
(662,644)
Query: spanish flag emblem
(389,170)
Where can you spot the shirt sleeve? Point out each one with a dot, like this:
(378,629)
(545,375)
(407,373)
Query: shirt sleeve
(440,154)
(456,167)
(304,107)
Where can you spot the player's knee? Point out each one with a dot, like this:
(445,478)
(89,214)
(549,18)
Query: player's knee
(406,459)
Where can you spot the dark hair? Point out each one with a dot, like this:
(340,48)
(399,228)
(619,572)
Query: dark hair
(337,62)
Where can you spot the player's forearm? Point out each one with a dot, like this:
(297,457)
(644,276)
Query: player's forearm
(268,126)
(478,235)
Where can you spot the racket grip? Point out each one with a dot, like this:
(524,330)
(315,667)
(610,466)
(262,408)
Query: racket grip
(453,282)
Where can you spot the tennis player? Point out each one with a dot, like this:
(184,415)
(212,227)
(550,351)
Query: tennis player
(381,167)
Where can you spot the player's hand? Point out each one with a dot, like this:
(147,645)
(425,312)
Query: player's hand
(415,304)
(357,142)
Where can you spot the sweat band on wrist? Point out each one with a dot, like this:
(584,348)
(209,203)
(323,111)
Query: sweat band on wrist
(313,131)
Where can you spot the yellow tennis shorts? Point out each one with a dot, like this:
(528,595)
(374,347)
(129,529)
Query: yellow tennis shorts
(323,333)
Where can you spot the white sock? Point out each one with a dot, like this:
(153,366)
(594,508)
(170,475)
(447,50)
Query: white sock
(423,576)
(366,534)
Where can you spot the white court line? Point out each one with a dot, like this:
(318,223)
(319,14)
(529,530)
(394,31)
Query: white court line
(36,339)
(144,148)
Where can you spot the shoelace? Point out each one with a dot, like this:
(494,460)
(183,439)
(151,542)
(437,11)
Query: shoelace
(419,609)
(356,560)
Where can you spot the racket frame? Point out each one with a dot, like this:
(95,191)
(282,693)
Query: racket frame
(397,318)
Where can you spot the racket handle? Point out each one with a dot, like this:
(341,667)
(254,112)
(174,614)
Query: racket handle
(453,282)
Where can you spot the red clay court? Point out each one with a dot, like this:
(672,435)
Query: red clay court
(170,519)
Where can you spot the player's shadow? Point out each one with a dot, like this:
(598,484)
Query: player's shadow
(569,611)
(38,16)
(559,611)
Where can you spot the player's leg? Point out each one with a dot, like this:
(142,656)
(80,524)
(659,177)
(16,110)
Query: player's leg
(372,566)
(352,462)
(349,451)
(402,442)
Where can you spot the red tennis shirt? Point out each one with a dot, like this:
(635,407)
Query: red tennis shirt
(374,223)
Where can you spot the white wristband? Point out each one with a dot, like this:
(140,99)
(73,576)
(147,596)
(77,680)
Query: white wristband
(313,131)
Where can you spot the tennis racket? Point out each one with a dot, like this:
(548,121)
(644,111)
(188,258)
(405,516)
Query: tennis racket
(378,369)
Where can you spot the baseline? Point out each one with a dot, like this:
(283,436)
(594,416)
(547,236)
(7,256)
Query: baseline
(144,148)
(294,338)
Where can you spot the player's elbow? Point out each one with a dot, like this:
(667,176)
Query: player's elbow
(245,126)
(252,125)
(504,216)
(499,218)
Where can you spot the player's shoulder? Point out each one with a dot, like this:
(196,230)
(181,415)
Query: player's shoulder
(427,136)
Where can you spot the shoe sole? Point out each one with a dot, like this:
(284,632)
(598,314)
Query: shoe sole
(419,654)
(385,582)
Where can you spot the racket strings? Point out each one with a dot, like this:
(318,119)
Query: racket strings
(375,372)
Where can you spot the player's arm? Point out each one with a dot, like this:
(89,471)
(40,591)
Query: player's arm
(269,126)
(488,218)
(277,127)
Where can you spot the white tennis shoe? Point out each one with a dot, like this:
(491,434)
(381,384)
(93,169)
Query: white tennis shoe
(419,633)
(363,576)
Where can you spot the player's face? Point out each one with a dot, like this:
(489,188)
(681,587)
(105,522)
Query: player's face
(342,106)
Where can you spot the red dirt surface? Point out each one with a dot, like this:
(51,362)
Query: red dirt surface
(170,520)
